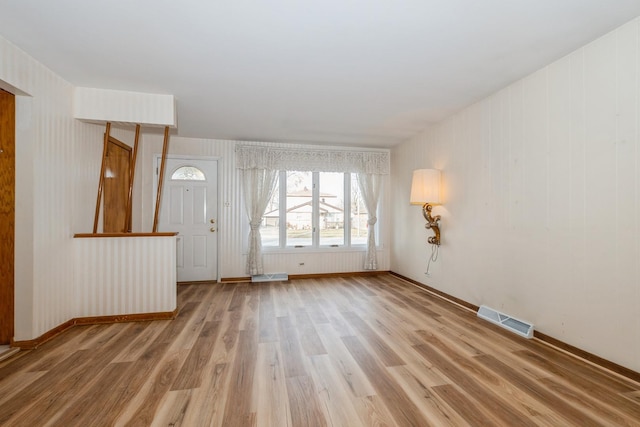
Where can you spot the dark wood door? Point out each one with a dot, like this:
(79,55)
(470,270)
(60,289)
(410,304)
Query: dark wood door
(7,214)
(116,186)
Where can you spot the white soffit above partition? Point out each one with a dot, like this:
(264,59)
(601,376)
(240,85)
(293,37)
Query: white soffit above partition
(103,105)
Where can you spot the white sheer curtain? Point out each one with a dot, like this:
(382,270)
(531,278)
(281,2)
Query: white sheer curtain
(261,162)
(370,189)
(258,185)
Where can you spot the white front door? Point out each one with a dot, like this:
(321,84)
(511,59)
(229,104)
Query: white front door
(189,206)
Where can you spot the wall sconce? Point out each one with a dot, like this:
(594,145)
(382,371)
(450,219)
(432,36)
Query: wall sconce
(425,191)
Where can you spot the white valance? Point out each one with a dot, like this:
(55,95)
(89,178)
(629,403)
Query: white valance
(314,160)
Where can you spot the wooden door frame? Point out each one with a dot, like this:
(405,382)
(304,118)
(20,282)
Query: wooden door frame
(7,216)
(158,157)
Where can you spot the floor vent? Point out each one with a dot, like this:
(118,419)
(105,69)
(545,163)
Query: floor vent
(514,325)
(273,277)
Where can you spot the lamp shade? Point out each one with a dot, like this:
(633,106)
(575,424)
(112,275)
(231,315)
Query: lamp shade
(425,187)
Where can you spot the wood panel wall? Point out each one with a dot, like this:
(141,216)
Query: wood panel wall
(7,214)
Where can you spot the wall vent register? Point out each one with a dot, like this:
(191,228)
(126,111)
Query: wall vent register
(512,324)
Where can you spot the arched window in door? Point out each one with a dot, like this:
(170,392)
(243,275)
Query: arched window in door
(188,173)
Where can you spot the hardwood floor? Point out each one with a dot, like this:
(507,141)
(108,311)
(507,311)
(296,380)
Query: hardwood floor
(362,351)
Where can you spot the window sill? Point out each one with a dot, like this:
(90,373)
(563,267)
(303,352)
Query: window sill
(307,249)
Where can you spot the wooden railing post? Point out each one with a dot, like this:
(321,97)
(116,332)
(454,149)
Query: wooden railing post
(165,148)
(101,181)
(132,172)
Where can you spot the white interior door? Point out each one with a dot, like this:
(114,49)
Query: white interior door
(189,206)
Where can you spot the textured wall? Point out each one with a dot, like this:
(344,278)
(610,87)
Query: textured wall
(542,200)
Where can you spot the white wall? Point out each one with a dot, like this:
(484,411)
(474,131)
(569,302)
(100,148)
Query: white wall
(232,228)
(57,167)
(542,200)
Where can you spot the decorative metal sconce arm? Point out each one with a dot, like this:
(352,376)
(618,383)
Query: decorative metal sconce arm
(432,223)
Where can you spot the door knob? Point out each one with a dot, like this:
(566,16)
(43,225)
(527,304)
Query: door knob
(213,221)
(212,229)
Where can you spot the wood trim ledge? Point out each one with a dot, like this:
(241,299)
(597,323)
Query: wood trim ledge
(93,235)
(441,294)
(95,320)
(549,340)
(235,279)
(590,357)
(311,276)
(348,274)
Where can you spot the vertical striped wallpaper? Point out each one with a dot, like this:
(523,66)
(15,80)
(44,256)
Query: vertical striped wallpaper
(57,165)
(541,213)
(124,275)
(233,230)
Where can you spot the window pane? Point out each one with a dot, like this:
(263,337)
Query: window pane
(299,208)
(269,229)
(359,215)
(188,173)
(331,208)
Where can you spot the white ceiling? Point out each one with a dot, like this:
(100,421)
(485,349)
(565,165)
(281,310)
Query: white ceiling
(341,72)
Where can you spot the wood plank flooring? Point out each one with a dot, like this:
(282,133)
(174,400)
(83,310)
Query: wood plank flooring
(361,351)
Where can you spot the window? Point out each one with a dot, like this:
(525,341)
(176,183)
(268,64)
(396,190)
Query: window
(315,209)
(331,209)
(188,173)
(299,203)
